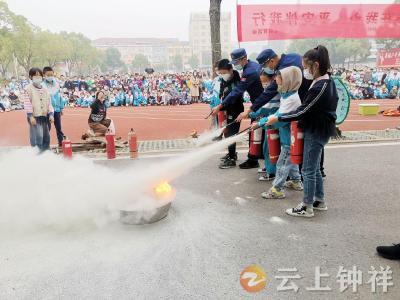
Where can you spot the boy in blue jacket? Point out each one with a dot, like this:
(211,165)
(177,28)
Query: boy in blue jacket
(268,172)
(52,86)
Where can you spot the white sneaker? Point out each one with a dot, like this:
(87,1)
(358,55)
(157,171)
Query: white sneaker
(262,170)
(301,210)
(294,185)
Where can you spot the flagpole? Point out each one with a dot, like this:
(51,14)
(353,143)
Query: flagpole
(237,22)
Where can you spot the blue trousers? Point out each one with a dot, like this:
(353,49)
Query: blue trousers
(311,171)
(39,133)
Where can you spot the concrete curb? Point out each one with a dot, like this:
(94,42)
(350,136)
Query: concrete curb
(175,145)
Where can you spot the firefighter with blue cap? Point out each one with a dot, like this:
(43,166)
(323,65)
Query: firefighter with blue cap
(250,83)
(270,63)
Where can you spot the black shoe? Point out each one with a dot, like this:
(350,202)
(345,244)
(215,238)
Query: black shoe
(323,174)
(249,164)
(318,205)
(389,252)
(227,164)
(225,157)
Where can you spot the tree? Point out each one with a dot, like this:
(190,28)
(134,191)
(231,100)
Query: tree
(140,62)
(193,61)
(215,18)
(340,50)
(177,62)
(113,59)
(52,48)
(25,43)
(6,52)
(6,17)
(81,51)
(388,43)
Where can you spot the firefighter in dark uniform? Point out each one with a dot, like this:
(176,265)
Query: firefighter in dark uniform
(229,80)
(250,83)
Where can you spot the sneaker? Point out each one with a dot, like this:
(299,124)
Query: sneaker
(296,185)
(389,252)
(249,164)
(227,164)
(273,193)
(301,211)
(225,157)
(262,170)
(267,177)
(319,205)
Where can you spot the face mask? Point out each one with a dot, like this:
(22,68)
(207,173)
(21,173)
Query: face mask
(37,80)
(269,71)
(226,77)
(238,67)
(308,75)
(50,79)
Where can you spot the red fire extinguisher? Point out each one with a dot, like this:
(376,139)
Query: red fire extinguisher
(221,119)
(67,148)
(110,145)
(255,142)
(274,145)
(133,149)
(297,143)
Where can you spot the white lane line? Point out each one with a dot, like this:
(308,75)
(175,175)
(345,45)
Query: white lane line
(348,121)
(145,118)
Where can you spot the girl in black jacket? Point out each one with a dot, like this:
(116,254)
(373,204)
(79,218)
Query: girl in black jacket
(316,116)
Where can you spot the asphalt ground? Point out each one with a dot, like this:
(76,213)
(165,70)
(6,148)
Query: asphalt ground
(217,226)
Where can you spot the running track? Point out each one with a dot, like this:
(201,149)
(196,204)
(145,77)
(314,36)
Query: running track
(152,123)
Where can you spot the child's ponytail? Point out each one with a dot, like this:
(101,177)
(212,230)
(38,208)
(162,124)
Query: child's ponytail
(321,55)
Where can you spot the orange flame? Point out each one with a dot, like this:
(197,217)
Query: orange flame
(163,189)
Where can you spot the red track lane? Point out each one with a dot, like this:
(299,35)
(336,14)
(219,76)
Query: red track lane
(153,123)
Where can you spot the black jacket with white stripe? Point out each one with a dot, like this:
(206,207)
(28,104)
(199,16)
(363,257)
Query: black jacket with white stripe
(318,110)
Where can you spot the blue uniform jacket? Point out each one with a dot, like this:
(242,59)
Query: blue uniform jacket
(250,82)
(287,60)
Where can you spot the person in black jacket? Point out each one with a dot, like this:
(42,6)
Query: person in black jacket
(229,80)
(316,116)
(250,83)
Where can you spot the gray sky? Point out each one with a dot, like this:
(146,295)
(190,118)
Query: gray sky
(130,18)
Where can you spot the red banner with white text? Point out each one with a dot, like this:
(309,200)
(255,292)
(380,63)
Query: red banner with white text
(309,21)
(389,58)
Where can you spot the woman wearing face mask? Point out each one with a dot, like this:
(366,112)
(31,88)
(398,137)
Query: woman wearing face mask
(37,104)
(229,80)
(316,115)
